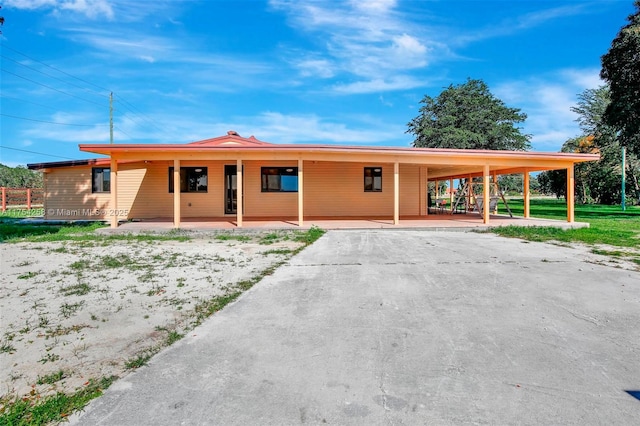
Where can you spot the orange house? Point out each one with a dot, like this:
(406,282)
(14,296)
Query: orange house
(235,177)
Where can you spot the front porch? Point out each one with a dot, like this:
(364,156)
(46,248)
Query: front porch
(432,222)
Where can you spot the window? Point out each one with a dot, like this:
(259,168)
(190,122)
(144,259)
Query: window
(192,179)
(279,179)
(373,179)
(101,179)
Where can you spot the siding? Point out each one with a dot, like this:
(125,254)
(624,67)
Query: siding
(330,189)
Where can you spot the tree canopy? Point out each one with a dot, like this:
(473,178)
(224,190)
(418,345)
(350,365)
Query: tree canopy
(595,181)
(19,177)
(468,116)
(621,69)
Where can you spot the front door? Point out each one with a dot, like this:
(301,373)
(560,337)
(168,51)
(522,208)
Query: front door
(230,190)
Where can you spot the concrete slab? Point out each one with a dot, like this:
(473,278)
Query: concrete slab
(404,327)
(434,222)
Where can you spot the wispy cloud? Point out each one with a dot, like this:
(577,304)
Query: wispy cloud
(547,100)
(369,40)
(520,23)
(277,127)
(90,8)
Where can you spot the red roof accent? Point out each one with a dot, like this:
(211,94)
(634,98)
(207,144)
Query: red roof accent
(232,139)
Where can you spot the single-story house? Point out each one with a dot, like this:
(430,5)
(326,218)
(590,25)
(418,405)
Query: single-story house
(236,177)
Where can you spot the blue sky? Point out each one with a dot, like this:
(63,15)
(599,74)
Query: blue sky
(286,71)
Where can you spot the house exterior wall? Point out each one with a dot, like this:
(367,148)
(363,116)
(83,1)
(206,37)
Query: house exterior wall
(330,189)
(67,195)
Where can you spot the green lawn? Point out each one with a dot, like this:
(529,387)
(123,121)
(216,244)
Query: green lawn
(608,224)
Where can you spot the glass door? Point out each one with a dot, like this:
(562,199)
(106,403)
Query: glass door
(230,190)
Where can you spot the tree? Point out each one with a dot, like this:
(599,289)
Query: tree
(468,116)
(621,69)
(19,177)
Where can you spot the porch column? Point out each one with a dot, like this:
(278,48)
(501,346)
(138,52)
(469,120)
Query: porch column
(396,193)
(485,195)
(239,195)
(526,194)
(495,182)
(114,192)
(424,190)
(451,194)
(176,193)
(570,195)
(300,193)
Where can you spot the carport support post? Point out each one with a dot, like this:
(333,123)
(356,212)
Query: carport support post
(451,194)
(300,193)
(114,192)
(396,193)
(570,194)
(485,194)
(239,195)
(526,193)
(176,193)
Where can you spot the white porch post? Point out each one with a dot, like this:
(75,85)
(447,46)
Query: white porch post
(526,192)
(570,194)
(396,193)
(300,193)
(239,195)
(114,192)
(424,191)
(451,194)
(485,195)
(176,193)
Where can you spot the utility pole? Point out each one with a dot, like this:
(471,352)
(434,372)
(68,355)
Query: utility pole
(624,175)
(111,117)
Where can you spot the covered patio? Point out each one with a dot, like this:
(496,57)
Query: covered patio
(462,222)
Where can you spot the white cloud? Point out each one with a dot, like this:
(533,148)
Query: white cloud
(90,8)
(547,101)
(399,82)
(277,127)
(367,39)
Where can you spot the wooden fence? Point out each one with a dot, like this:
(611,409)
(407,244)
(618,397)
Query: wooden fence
(26,198)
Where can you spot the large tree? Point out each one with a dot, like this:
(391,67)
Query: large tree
(621,69)
(468,116)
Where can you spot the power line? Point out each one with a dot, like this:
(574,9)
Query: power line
(120,130)
(54,68)
(51,122)
(51,76)
(29,102)
(131,108)
(52,88)
(34,152)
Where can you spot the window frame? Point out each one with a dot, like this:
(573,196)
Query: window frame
(265,183)
(374,172)
(99,189)
(184,179)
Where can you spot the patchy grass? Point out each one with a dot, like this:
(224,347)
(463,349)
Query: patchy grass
(37,408)
(41,410)
(608,224)
(11,231)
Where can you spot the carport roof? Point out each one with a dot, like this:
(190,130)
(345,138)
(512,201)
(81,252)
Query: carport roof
(441,163)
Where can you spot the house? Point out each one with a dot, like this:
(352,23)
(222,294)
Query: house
(236,177)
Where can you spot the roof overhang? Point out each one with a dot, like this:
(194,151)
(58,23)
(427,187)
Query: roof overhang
(441,163)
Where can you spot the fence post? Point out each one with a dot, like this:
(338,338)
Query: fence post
(28,198)
(4,199)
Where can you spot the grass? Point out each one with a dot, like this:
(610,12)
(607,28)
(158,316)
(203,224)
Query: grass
(37,410)
(11,231)
(607,224)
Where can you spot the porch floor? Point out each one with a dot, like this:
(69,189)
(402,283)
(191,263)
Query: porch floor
(431,222)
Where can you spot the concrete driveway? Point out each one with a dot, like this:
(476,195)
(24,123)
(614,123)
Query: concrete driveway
(404,327)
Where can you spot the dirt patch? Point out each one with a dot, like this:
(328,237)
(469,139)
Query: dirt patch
(75,310)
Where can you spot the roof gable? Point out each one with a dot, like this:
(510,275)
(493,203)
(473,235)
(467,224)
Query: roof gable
(232,138)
